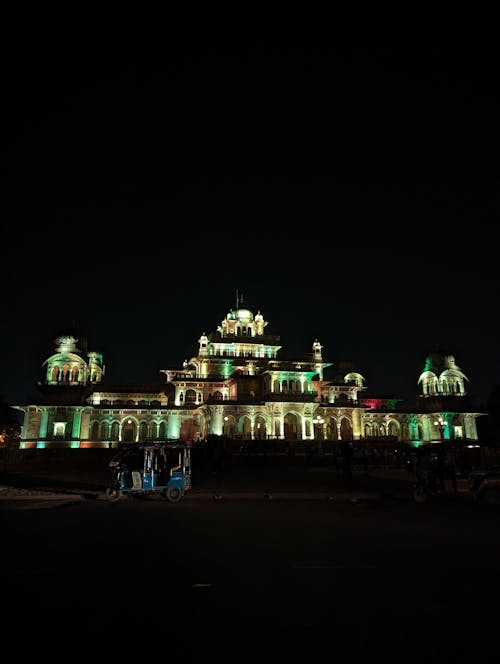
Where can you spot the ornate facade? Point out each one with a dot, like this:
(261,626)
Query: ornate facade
(240,385)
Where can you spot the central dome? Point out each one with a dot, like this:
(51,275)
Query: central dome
(242,314)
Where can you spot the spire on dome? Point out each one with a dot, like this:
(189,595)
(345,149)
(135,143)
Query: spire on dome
(239,299)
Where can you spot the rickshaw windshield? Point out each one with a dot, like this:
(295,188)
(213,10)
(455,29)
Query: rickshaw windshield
(132,458)
(152,457)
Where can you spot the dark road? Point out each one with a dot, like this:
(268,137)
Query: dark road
(248,581)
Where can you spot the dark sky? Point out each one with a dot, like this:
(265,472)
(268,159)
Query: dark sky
(348,189)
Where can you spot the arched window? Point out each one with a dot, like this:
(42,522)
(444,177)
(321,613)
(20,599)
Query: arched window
(128,432)
(229,426)
(246,427)
(332,431)
(114,431)
(345,429)
(393,428)
(259,430)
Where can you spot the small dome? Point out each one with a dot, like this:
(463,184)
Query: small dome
(69,340)
(449,362)
(434,362)
(66,344)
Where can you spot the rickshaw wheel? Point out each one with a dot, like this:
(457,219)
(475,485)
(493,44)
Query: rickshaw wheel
(113,495)
(420,495)
(173,494)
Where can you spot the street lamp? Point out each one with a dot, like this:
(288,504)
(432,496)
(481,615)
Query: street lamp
(319,420)
(441,425)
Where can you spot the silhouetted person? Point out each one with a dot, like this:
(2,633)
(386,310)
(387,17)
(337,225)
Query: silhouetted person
(441,466)
(426,471)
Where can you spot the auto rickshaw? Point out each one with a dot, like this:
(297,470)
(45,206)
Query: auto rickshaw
(142,469)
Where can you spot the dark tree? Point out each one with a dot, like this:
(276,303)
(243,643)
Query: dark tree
(10,428)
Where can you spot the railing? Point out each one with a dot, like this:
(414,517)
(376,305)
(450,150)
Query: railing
(288,396)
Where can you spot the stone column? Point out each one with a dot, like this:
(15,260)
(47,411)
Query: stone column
(356,424)
(43,424)
(77,415)
(43,429)
(173,425)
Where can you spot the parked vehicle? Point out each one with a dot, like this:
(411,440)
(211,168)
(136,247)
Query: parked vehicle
(485,484)
(142,469)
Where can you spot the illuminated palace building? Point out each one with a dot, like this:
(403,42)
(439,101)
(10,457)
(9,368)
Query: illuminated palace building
(239,385)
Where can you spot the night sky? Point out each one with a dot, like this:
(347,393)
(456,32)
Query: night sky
(348,190)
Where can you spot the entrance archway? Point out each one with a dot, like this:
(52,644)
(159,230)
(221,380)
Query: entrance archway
(291,426)
(128,432)
(345,429)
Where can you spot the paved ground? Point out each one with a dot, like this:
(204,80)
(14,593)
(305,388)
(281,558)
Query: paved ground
(254,580)
(243,479)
